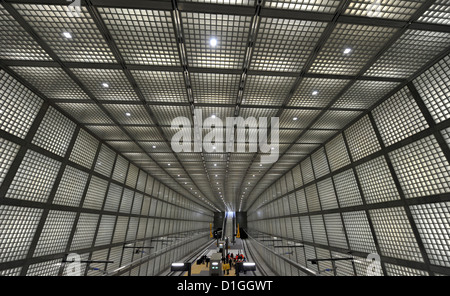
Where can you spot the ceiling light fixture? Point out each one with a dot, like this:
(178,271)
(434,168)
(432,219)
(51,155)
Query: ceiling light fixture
(213,42)
(128,114)
(105,85)
(347,50)
(315,92)
(67,35)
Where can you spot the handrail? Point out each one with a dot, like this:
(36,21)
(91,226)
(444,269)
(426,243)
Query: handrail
(190,259)
(155,254)
(289,261)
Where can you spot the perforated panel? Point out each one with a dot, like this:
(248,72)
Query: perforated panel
(438,13)
(18,106)
(34,178)
(86,113)
(284,44)
(48,268)
(397,9)
(55,234)
(320,163)
(446,134)
(394,234)
(422,168)
(358,230)
(347,189)
(325,6)
(56,141)
(431,220)
(337,153)
(106,84)
(326,194)
(105,230)
(364,94)
(142,36)
(17,225)
(127,201)
(335,230)
(16,43)
(214,88)
(267,90)
(306,228)
(54,83)
(307,171)
(84,149)
(376,181)
(120,169)
(312,198)
(399,117)
(71,187)
(301,201)
(365,42)
(8,150)
(95,193)
(85,231)
(361,139)
(396,270)
(230,31)
(401,60)
(51,21)
(335,119)
(297,176)
(318,227)
(105,161)
(433,87)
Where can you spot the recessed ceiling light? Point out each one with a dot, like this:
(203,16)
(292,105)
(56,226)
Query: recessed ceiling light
(154,147)
(315,92)
(213,116)
(105,85)
(67,35)
(168,164)
(347,50)
(215,164)
(295,118)
(213,41)
(128,114)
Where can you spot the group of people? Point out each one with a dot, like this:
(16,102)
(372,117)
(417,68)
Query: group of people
(230,260)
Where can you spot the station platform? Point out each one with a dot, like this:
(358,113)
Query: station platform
(203,269)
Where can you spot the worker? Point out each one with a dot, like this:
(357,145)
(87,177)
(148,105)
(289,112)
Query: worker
(226,267)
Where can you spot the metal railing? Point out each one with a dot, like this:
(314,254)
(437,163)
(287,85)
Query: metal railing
(296,265)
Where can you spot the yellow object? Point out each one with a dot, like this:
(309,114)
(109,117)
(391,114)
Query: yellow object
(226,266)
(210,230)
(238,235)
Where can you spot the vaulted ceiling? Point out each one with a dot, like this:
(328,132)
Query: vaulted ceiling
(125,69)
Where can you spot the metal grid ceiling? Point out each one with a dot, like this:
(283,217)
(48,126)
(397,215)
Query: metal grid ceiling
(334,71)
